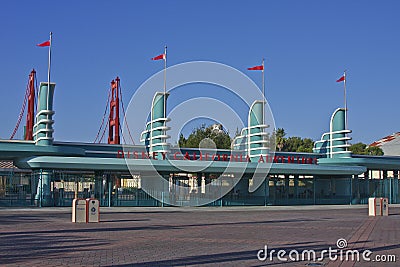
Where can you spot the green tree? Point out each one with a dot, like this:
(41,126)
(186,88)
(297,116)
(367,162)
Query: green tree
(202,134)
(280,138)
(182,141)
(293,143)
(358,148)
(306,146)
(374,150)
(363,149)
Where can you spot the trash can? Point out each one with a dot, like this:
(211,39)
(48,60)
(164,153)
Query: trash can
(385,206)
(93,210)
(378,206)
(79,210)
(371,206)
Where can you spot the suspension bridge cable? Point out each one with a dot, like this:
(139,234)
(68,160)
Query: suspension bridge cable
(21,114)
(123,110)
(104,131)
(123,136)
(102,121)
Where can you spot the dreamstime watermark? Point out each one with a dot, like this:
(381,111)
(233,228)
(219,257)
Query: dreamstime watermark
(340,253)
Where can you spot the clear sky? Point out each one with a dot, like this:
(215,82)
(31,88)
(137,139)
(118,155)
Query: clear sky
(307,45)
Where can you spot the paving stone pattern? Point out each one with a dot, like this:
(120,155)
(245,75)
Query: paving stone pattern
(209,236)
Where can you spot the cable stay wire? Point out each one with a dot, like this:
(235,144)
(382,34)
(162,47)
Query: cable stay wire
(36,96)
(21,114)
(104,131)
(123,136)
(123,110)
(102,121)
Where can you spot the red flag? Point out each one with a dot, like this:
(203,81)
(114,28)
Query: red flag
(261,67)
(341,79)
(47,43)
(162,56)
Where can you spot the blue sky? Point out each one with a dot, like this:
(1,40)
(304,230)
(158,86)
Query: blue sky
(307,45)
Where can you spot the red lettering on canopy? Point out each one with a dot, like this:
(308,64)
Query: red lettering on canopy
(248,158)
(120,154)
(267,158)
(144,155)
(234,158)
(187,157)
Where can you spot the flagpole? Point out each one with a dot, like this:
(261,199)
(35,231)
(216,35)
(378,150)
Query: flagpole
(165,89)
(263,87)
(345,105)
(49,66)
(165,81)
(165,69)
(48,70)
(345,98)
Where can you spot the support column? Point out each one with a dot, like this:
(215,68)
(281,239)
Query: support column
(275,190)
(357,196)
(198,181)
(287,188)
(165,189)
(76,187)
(220,193)
(266,190)
(385,184)
(98,186)
(351,190)
(314,189)
(396,188)
(206,181)
(43,190)
(109,187)
(296,186)
(366,177)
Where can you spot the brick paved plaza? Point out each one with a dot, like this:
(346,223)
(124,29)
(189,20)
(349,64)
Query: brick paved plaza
(192,236)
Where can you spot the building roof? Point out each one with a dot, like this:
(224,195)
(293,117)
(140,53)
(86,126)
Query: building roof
(6,164)
(9,166)
(389,144)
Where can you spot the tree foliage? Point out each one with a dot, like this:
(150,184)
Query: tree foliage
(207,136)
(363,149)
(210,138)
(292,144)
(280,138)
(298,144)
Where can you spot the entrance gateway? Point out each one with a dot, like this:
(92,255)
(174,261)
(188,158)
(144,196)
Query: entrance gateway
(47,173)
